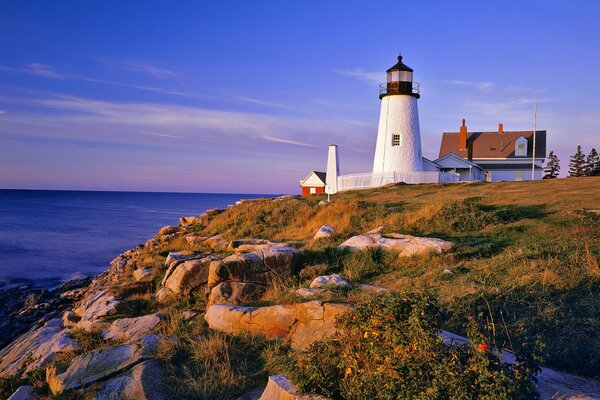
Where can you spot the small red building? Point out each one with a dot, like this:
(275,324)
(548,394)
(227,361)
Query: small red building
(314,183)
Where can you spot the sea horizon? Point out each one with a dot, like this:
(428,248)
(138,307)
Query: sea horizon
(49,237)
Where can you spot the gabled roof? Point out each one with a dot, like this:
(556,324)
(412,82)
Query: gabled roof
(454,157)
(488,145)
(319,175)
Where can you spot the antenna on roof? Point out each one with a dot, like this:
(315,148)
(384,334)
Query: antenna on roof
(533,148)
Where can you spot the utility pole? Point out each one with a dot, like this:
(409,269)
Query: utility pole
(533,149)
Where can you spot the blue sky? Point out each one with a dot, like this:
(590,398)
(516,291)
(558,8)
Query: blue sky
(245,96)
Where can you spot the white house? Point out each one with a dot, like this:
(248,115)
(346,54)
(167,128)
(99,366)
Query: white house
(492,156)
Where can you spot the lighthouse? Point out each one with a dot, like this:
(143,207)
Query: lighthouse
(398,148)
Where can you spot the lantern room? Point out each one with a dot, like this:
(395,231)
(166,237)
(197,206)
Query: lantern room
(399,81)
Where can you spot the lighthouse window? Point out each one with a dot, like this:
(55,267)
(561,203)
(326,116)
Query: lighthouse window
(395,140)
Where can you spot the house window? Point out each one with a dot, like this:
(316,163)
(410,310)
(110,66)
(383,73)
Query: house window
(313,190)
(521,148)
(518,176)
(395,140)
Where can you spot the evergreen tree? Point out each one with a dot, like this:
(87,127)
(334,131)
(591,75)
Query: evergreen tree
(592,163)
(577,165)
(552,167)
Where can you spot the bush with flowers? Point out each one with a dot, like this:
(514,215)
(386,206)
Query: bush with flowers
(390,348)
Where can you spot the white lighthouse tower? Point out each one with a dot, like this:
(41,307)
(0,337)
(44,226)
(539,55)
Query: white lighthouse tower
(398,149)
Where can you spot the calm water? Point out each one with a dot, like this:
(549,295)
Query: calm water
(47,237)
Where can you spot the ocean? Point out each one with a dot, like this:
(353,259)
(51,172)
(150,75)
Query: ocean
(48,237)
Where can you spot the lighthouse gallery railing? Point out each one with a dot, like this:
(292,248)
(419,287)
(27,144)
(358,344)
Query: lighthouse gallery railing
(372,180)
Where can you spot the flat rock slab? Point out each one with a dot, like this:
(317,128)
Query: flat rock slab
(551,384)
(142,382)
(99,364)
(24,393)
(405,245)
(131,329)
(300,324)
(36,348)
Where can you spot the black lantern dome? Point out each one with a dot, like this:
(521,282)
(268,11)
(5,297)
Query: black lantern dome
(399,81)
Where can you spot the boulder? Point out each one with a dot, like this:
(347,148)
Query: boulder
(195,240)
(281,388)
(259,267)
(36,348)
(235,293)
(142,382)
(24,393)
(217,242)
(376,231)
(131,329)
(142,274)
(329,281)
(310,293)
(189,275)
(93,309)
(299,324)
(176,258)
(405,245)
(325,231)
(99,364)
(191,220)
(165,295)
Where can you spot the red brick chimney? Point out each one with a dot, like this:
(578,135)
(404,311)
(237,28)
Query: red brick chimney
(462,136)
(500,128)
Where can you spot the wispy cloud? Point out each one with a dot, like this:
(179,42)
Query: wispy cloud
(358,73)
(483,87)
(161,123)
(286,141)
(148,68)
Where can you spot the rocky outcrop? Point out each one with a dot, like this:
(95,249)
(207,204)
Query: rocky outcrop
(191,220)
(36,348)
(299,324)
(131,329)
(405,245)
(187,276)
(217,242)
(142,382)
(259,267)
(325,231)
(329,281)
(99,365)
(143,274)
(22,307)
(281,388)
(93,310)
(312,271)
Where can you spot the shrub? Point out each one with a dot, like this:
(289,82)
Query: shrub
(390,349)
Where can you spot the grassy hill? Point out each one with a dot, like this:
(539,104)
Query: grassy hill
(526,255)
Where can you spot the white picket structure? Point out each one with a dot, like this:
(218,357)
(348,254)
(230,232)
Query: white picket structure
(372,180)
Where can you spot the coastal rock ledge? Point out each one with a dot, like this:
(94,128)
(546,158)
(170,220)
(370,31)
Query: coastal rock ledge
(298,324)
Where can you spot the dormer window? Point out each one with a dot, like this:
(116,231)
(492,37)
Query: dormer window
(521,147)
